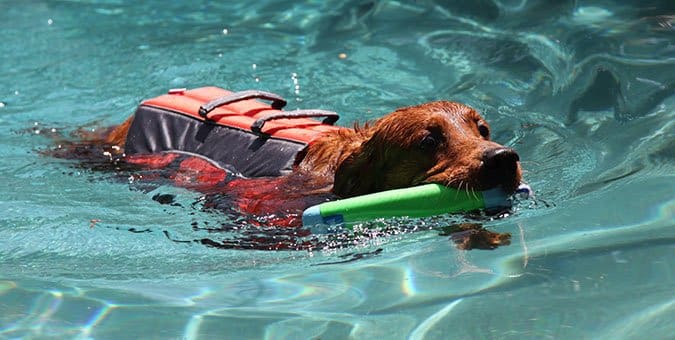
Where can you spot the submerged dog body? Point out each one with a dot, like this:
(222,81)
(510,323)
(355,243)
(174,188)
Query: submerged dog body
(438,142)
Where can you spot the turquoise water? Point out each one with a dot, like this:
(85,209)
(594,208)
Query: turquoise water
(582,89)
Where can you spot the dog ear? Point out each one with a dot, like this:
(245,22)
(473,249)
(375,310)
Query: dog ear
(359,173)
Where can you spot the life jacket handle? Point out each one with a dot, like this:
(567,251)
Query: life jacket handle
(277,101)
(330,117)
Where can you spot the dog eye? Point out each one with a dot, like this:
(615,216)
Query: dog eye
(483,130)
(429,142)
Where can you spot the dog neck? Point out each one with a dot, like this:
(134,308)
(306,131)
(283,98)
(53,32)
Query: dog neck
(323,156)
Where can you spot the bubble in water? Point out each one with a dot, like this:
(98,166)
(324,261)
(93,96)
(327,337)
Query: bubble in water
(294,77)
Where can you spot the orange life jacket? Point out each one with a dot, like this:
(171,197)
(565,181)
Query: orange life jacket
(232,130)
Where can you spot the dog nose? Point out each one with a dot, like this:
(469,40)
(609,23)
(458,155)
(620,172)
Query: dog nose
(500,167)
(500,159)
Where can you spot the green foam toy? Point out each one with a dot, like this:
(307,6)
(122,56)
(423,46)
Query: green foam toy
(419,201)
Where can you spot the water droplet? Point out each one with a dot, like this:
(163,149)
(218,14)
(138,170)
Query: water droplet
(178,81)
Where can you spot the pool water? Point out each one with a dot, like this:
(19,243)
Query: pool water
(582,89)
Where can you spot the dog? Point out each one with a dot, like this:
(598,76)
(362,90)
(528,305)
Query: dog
(437,142)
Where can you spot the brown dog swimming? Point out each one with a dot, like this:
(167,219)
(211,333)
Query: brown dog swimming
(438,142)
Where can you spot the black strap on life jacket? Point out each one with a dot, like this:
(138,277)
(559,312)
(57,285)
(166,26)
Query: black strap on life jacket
(330,117)
(277,101)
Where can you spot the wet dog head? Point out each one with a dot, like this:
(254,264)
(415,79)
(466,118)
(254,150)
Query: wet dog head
(439,142)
